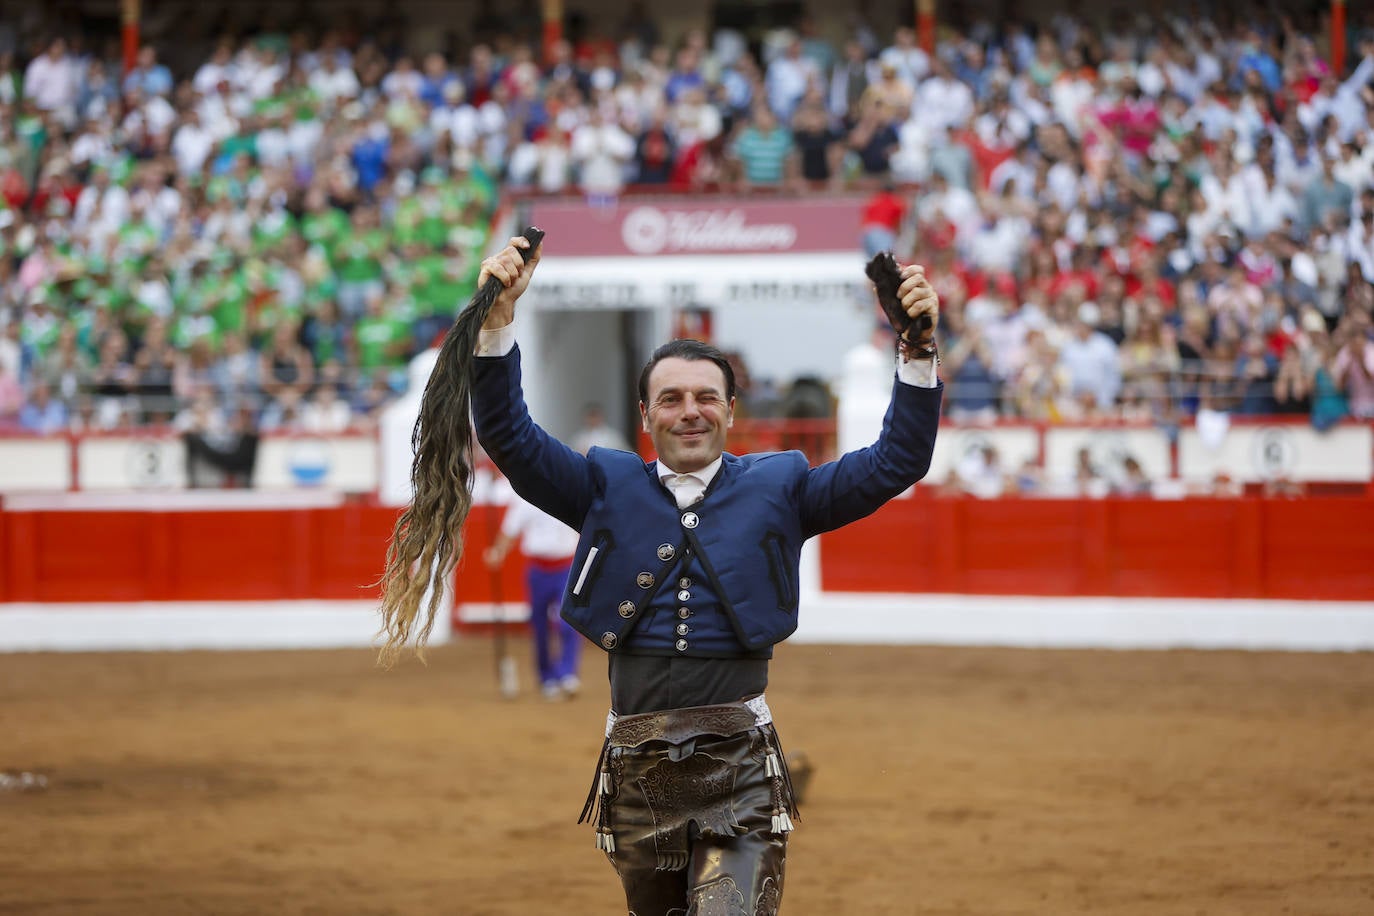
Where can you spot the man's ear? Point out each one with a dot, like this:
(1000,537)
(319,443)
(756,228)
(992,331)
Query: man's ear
(730,416)
(643,416)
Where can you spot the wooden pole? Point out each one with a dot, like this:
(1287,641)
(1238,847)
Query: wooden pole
(553,26)
(129,16)
(925,25)
(1338,38)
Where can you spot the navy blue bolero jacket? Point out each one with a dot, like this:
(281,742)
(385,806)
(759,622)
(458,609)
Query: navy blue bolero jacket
(739,546)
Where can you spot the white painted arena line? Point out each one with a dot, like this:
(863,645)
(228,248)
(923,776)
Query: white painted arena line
(1100,622)
(188,625)
(892,619)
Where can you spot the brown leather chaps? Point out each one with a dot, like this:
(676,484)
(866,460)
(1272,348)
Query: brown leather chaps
(694,809)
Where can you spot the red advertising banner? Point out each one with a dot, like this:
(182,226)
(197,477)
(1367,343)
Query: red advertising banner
(649,227)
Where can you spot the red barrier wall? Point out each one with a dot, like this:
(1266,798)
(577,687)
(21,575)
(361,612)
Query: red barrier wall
(1199,548)
(1241,548)
(249,555)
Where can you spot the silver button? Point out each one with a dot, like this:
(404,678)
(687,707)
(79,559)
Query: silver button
(627,608)
(684,612)
(690,520)
(608,640)
(681,645)
(684,595)
(683,629)
(666,552)
(684,582)
(645,580)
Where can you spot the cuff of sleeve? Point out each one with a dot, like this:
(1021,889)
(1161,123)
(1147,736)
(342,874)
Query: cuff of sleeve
(920,373)
(497,342)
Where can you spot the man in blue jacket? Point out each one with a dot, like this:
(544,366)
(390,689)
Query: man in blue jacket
(686,575)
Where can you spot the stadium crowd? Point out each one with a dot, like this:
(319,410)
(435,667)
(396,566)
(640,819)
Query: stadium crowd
(1140,222)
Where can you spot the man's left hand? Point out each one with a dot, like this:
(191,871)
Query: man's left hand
(919,298)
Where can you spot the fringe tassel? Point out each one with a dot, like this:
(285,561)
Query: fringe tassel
(774,770)
(587,809)
(605,840)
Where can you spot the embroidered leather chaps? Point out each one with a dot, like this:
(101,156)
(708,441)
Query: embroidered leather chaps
(695,807)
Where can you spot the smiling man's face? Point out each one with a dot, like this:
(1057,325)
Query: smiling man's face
(687,413)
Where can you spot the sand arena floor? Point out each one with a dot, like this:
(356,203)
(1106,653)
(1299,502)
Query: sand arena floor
(968,781)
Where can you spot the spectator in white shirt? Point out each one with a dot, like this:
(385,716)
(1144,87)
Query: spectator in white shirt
(1091,360)
(1341,99)
(404,81)
(221,110)
(1272,207)
(912,63)
(262,74)
(191,144)
(325,412)
(149,116)
(101,202)
(53,80)
(600,150)
(546,163)
(958,205)
(273,145)
(1211,113)
(456,117)
(942,101)
(303,137)
(693,119)
(787,79)
(333,82)
(218,69)
(1355,168)
(96,143)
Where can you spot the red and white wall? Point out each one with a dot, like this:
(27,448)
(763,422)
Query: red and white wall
(298,568)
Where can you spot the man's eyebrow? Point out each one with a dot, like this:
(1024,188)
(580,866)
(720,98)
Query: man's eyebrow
(674,389)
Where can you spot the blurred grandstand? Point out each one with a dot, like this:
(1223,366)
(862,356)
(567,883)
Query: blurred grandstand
(1144,224)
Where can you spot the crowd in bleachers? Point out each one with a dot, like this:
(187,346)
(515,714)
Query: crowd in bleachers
(1138,222)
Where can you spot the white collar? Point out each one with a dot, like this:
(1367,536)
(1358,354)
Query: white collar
(704,475)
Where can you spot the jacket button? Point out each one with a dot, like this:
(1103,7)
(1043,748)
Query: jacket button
(627,608)
(684,582)
(684,612)
(684,595)
(608,640)
(666,552)
(681,645)
(683,629)
(645,580)
(690,520)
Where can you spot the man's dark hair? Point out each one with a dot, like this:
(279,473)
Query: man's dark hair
(690,350)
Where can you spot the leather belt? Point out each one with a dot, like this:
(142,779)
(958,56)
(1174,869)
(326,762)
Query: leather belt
(678,725)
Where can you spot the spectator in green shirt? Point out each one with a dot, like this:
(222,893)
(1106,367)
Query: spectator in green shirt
(358,260)
(382,338)
(323,225)
(443,282)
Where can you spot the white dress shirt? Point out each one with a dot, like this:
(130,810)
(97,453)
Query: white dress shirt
(688,488)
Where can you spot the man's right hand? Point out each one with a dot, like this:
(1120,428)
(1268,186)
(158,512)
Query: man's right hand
(508,266)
